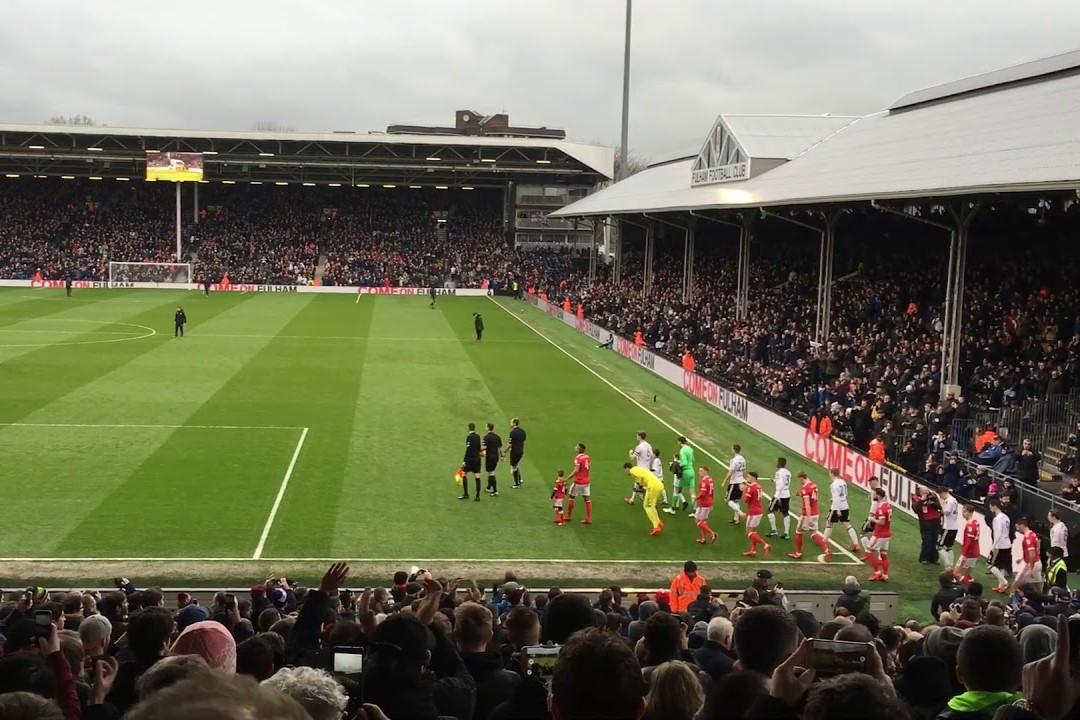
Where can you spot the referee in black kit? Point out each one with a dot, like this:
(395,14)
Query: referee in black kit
(181,320)
(478,322)
(517,449)
(492,455)
(471,463)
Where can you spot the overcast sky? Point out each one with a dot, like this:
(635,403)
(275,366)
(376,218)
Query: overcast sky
(363,64)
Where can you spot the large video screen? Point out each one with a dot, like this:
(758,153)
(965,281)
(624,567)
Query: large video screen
(174,166)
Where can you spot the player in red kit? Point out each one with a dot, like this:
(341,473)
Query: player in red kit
(879,543)
(808,520)
(1031,570)
(704,500)
(580,486)
(969,547)
(558,495)
(754,511)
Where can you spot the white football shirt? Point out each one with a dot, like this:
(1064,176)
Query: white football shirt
(1059,536)
(1000,527)
(950,514)
(838,494)
(643,454)
(658,468)
(783,483)
(738,467)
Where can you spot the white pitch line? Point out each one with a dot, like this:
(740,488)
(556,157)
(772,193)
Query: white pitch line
(357,299)
(280,495)
(167,427)
(359,338)
(413,561)
(843,550)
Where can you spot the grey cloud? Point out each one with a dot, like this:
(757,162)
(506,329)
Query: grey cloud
(362,65)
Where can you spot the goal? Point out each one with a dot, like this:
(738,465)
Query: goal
(147,272)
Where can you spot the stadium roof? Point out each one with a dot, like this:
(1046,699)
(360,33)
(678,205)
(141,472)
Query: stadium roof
(1011,130)
(318,157)
(782,137)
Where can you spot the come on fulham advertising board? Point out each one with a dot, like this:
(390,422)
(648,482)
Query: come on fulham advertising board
(827,452)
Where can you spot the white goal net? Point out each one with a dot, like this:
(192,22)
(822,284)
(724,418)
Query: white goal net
(147,272)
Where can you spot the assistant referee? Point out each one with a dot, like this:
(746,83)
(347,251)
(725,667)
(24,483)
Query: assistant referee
(517,449)
(180,319)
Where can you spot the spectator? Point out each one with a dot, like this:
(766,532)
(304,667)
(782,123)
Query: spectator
(211,641)
(715,657)
(255,658)
(169,671)
(148,633)
(315,690)
(216,696)
(1027,464)
(596,677)
(494,684)
(764,637)
(674,692)
(988,664)
(948,593)
(853,598)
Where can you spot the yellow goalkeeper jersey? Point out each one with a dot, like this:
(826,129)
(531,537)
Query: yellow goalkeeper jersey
(646,478)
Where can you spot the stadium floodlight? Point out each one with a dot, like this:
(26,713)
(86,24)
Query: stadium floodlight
(12,175)
(434,159)
(487,160)
(442,187)
(123,179)
(281,182)
(266,154)
(543,161)
(309,184)
(94,177)
(362,185)
(228,182)
(414,187)
(389,186)
(148,272)
(67,177)
(466,187)
(334,184)
(209,152)
(36,147)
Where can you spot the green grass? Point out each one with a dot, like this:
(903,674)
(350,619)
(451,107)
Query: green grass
(152,481)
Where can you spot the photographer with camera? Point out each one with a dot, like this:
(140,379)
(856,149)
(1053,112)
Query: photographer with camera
(927,508)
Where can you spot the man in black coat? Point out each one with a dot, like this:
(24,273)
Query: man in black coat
(494,685)
(715,657)
(181,320)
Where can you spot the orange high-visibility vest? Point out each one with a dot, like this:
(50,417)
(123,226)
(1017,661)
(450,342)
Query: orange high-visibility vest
(543,296)
(566,304)
(813,424)
(877,450)
(580,311)
(225,279)
(688,363)
(638,339)
(825,428)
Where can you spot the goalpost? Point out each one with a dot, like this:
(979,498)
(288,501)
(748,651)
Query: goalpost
(149,272)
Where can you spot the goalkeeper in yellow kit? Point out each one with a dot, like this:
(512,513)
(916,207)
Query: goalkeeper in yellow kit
(653,488)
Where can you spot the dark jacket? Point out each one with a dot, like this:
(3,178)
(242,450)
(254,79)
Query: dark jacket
(943,599)
(528,703)
(856,600)
(714,659)
(701,610)
(494,685)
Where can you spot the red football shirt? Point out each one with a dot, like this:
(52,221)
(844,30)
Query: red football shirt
(883,530)
(1031,547)
(560,489)
(705,492)
(970,546)
(752,496)
(581,469)
(809,493)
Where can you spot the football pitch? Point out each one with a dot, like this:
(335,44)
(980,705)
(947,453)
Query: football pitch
(288,430)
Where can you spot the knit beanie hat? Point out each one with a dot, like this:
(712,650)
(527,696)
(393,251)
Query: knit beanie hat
(210,641)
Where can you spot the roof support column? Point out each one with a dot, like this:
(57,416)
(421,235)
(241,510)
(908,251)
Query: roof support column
(742,294)
(688,262)
(650,249)
(195,208)
(742,290)
(594,248)
(962,214)
(616,252)
(823,315)
(688,252)
(179,224)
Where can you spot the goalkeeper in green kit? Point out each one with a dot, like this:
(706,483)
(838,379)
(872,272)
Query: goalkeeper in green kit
(682,469)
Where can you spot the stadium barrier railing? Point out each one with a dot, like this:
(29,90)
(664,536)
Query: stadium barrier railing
(884,605)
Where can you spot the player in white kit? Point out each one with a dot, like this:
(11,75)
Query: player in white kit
(733,482)
(840,511)
(642,456)
(781,502)
(950,526)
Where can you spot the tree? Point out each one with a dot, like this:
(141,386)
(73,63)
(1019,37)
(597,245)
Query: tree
(634,164)
(79,120)
(272,126)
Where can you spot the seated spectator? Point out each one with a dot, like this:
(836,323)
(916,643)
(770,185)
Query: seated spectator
(596,677)
(715,657)
(988,665)
(674,692)
(315,690)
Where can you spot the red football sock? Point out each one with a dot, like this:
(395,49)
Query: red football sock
(874,562)
(756,540)
(588,511)
(798,543)
(817,538)
(705,527)
(701,527)
(569,508)
(558,515)
(884,564)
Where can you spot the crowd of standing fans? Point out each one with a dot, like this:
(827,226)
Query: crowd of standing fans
(434,647)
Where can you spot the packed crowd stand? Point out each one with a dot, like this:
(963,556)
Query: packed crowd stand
(450,648)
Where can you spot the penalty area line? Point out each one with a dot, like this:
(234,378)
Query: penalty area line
(840,548)
(537,561)
(280,495)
